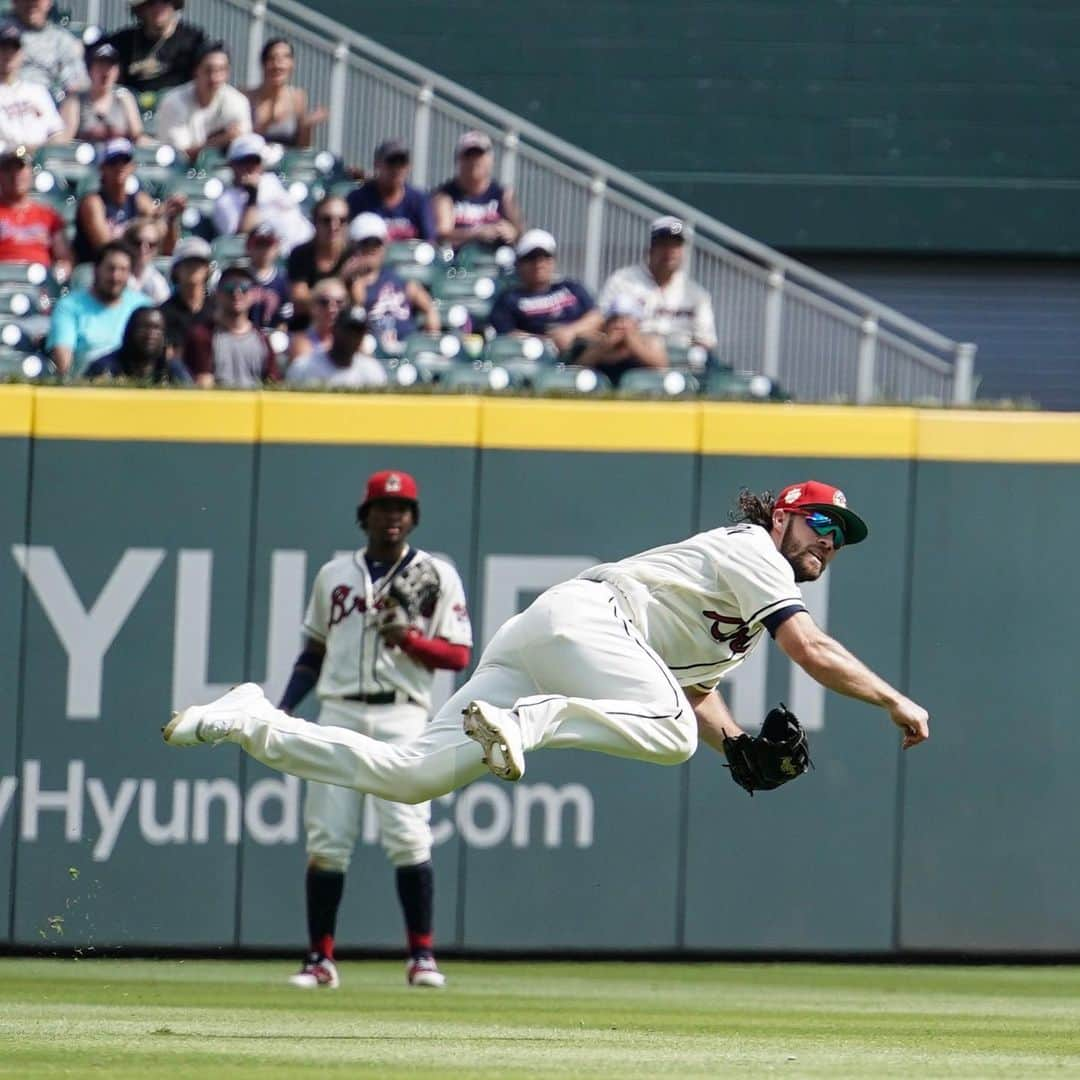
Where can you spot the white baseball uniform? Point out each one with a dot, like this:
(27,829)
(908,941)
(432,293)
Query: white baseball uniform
(380,692)
(596,663)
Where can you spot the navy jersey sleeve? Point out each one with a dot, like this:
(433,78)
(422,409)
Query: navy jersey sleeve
(423,218)
(583,297)
(775,619)
(503,317)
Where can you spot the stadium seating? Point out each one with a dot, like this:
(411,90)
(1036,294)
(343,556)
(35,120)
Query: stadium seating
(415,260)
(743,386)
(472,294)
(567,379)
(655,383)
(485,378)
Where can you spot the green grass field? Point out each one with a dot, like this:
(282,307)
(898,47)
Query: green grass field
(172,1018)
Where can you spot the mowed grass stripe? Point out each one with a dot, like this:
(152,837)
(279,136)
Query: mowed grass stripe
(206,1018)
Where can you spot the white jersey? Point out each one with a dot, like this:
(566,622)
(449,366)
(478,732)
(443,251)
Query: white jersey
(680,309)
(343,614)
(702,604)
(28,114)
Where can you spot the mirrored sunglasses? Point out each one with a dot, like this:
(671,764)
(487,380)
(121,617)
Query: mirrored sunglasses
(824,525)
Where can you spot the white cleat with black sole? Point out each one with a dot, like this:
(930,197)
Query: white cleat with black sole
(497,731)
(204,725)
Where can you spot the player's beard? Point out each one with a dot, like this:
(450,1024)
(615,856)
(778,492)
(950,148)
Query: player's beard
(801,556)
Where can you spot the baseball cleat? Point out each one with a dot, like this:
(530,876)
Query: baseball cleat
(208,724)
(497,731)
(424,972)
(316,973)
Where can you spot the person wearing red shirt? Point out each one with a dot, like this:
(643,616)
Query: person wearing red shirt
(29,231)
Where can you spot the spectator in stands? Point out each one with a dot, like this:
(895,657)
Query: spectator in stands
(390,303)
(159,51)
(142,356)
(87,323)
(103,215)
(206,112)
(672,305)
(621,345)
(279,110)
(232,351)
(271,307)
(143,237)
(189,302)
(323,255)
(28,116)
(474,208)
(544,304)
(52,56)
(405,209)
(344,363)
(104,111)
(30,232)
(315,329)
(256,196)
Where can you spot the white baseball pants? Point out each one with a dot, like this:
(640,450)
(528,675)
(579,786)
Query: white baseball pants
(333,815)
(574,669)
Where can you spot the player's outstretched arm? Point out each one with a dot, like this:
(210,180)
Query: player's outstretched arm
(713,718)
(823,658)
(305,674)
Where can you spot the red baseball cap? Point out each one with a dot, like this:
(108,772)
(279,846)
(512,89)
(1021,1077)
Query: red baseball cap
(814,495)
(391,484)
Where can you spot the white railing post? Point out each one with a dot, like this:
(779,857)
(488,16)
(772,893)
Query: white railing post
(594,233)
(864,377)
(421,141)
(508,165)
(256,36)
(964,374)
(93,12)
(774,312)
(335,135)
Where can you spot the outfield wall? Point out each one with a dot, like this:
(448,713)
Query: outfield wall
(157,547)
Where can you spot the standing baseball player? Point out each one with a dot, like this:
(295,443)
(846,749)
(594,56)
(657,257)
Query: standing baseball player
(624,660)
(379,623)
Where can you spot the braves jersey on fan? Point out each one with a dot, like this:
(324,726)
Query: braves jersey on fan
(532,313)
(343,614)
(702,603)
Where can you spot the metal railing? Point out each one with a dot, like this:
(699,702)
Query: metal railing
(819,338)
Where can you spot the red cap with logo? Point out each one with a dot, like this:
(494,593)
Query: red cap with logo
(814,495)
(391,484)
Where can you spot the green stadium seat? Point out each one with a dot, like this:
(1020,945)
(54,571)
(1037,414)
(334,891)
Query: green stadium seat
(743,386)
(568,379)
(485,378)
(13,273)
(415,260)
(479,261)
(229,248)
(17,364)
(654,383)
(684,357)
(81,276)
(471,294)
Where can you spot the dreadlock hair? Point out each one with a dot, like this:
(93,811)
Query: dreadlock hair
(755,508)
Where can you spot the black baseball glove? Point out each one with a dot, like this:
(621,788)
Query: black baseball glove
(416,590)
(779,754)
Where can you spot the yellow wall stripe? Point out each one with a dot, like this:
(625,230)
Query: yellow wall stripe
(823,431)
(147,415)
(1000,437)
(644,427)
(808,431)
(372,419)
(16,410)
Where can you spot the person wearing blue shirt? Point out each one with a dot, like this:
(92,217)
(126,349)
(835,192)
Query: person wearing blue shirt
(87,323)
(392,305)
(405,209)
(542,303)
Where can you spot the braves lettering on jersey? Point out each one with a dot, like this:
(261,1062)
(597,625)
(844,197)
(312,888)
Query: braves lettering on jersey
(473,210)
(532,313)
(27,231)
(343,614)
(388,307)
(703,603)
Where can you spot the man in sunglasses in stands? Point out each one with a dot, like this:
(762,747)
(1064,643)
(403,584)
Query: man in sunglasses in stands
(624,660)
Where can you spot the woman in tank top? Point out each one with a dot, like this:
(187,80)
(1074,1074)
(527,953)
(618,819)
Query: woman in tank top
(473,207)
(279,110)
(104,111)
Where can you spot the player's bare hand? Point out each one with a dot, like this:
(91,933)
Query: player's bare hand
(913,720)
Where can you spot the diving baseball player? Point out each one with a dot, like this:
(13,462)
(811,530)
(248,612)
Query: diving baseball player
(624,659)
(380,621)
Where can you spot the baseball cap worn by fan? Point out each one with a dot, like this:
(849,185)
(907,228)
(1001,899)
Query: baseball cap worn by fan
(814,495)
(390,484)
(535,240)
(667,227)
(367,226)
(474,140)
(191,247)
(247,146)
(117,150)
(391,150)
